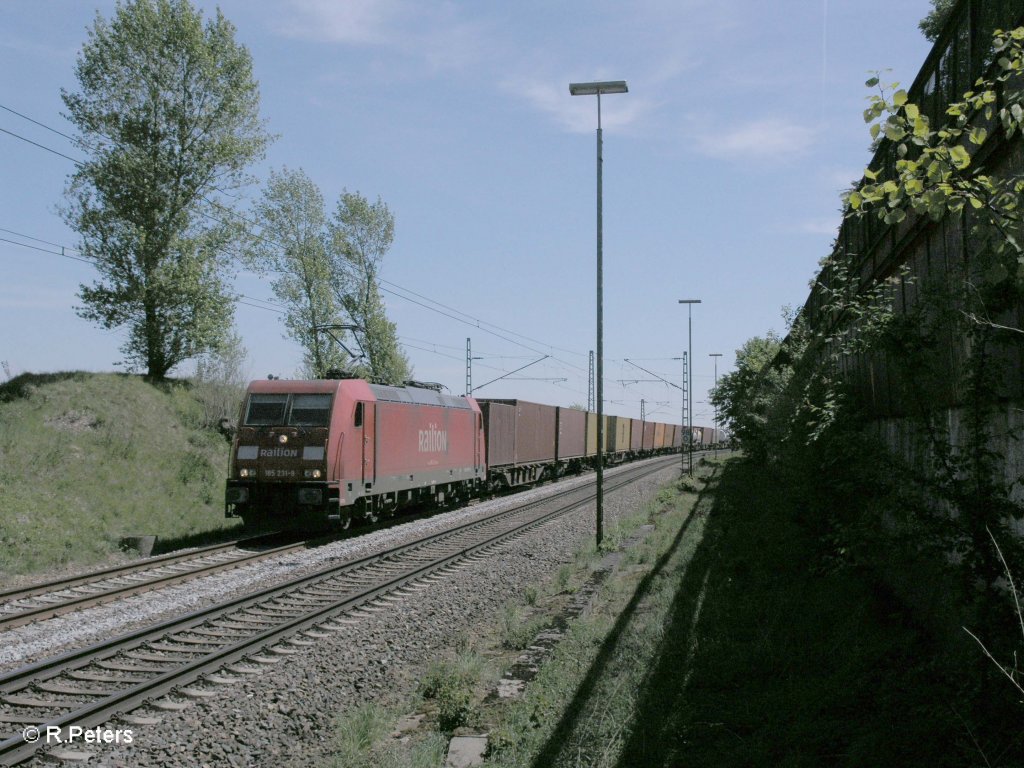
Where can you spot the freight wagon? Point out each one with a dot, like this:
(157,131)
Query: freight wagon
(308,454)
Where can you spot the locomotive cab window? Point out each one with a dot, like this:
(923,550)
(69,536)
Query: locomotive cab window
(310,411)
(265,410)
(359,415)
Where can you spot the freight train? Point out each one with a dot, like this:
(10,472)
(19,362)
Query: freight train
(322,453)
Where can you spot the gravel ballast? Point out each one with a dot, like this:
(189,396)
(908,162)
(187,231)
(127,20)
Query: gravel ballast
(287,709)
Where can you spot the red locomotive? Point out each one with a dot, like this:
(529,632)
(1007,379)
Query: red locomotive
(308,454)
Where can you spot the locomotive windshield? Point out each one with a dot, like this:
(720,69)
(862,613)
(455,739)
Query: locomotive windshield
(265,410)
(313,410)
(310,411)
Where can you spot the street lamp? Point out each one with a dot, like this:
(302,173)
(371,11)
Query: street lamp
(716,355)
(689,323)
(596,89)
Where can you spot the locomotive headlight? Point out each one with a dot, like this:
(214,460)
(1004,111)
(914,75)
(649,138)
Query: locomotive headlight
(246,472)
(313,473)
(282,439)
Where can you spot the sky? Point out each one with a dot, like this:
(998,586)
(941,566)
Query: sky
(723,169)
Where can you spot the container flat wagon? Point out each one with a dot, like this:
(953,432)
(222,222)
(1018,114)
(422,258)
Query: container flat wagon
(524,436)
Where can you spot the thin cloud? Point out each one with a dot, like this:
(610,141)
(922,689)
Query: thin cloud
(579,115)
(362,22)
(764,139)
(432,33)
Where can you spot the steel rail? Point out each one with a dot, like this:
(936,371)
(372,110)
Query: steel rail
(114,571)
(15,749)
(9,620)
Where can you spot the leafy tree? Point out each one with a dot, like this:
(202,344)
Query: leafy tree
(168,109)
(219,383)
(932,24)
(296,247)
(746,396)
(363,233)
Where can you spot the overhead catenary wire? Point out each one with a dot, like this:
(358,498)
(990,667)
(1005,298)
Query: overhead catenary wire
(397,290)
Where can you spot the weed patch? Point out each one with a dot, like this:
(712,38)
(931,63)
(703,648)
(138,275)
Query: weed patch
(451,685)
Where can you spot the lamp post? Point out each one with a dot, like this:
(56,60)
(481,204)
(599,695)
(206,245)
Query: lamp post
(689,324)
(716,355)
(596,89)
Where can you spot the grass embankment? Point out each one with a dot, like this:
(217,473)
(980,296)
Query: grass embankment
(732,636)
(88,458)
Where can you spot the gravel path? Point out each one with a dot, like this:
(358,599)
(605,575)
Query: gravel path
(284,711)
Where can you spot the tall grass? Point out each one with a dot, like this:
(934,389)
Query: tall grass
(88,458)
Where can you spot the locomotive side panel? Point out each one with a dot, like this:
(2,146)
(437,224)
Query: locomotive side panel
(418,445)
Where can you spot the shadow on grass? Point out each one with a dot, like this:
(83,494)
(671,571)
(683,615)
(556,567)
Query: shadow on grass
(798,661)
(23,385)
(775,652)
(552,748)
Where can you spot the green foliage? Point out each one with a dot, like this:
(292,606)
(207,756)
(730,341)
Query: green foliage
(295,246)
(325,274)
(363,233)
(167,109)
(220,381)
(935,172)
(356,732)
(858,506)
(517,630)
(744,396)
(361,741)
(451,685)
(932,24)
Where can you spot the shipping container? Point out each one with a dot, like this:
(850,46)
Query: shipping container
(591,433)
(648,444)
(659,436)
(636,435)
(616,440)
(535,431)
(572,434)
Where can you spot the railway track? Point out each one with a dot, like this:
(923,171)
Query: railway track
(46,600)
(88,687)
